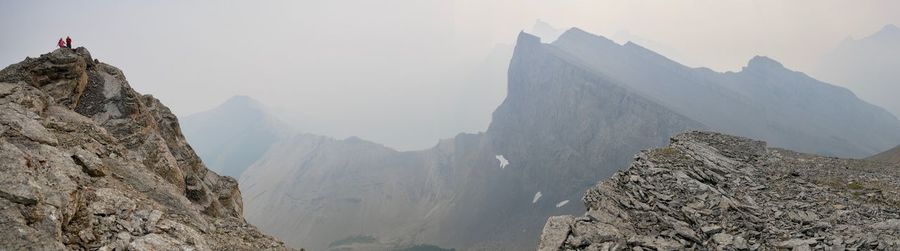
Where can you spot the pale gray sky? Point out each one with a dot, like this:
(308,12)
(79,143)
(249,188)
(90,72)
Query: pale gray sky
(388,67)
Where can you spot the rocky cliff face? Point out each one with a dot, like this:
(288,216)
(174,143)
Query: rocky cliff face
(709,191)
(88,163)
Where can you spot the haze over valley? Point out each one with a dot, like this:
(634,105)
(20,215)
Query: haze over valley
(450,125)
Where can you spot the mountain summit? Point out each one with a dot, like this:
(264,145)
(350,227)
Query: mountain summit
(230,137)
(889,30)
(88,163)
(763,62)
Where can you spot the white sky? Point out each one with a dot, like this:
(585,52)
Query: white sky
(388,66)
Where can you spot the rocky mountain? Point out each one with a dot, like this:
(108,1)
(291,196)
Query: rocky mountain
(316,182)
(546,32)
(868,66)
(88,163)
(889,156)
(352,187)
(710,191)
(575,111)
(233,135)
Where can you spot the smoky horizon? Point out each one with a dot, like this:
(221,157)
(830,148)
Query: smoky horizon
(408,73)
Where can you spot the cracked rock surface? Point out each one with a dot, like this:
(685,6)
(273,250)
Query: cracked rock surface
(87,163)
(710,191)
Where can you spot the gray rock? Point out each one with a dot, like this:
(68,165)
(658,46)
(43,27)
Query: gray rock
(887,225)
(801,248)
(708,180)
(711,229)
(793,243)
(23,122)
(740,243)
(90,164)
(723,239)
(87,163)
(555,232)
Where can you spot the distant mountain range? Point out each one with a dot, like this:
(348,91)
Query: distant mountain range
(869,66)
(576,111)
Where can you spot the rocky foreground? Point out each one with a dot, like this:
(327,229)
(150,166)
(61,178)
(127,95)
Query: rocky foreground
(708,191)
(87,163)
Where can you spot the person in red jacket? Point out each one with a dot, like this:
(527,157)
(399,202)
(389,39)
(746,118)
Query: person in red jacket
(61,43)
(68,42)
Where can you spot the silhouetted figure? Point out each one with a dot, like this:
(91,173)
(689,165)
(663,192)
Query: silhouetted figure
(61,44)
(68,42)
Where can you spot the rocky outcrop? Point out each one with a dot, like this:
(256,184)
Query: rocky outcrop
(710,191)
(88,163)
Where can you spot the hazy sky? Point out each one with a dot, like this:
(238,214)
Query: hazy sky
(387,67)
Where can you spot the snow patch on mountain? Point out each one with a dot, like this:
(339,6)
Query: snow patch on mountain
(503,161)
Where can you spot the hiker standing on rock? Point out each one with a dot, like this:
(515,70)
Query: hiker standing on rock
(61,44)
(68,42)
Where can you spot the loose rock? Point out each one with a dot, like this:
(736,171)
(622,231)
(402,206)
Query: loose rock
(726,192)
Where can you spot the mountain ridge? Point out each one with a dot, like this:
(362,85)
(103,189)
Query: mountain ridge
(867,66)
(671,84)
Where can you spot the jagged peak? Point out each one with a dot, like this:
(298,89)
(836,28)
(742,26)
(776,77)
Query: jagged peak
(526,38)
(576,34)
(763,63)
(243,101)
(526,43)
(545,31)
(890,28)
(238,105)
(889,31)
